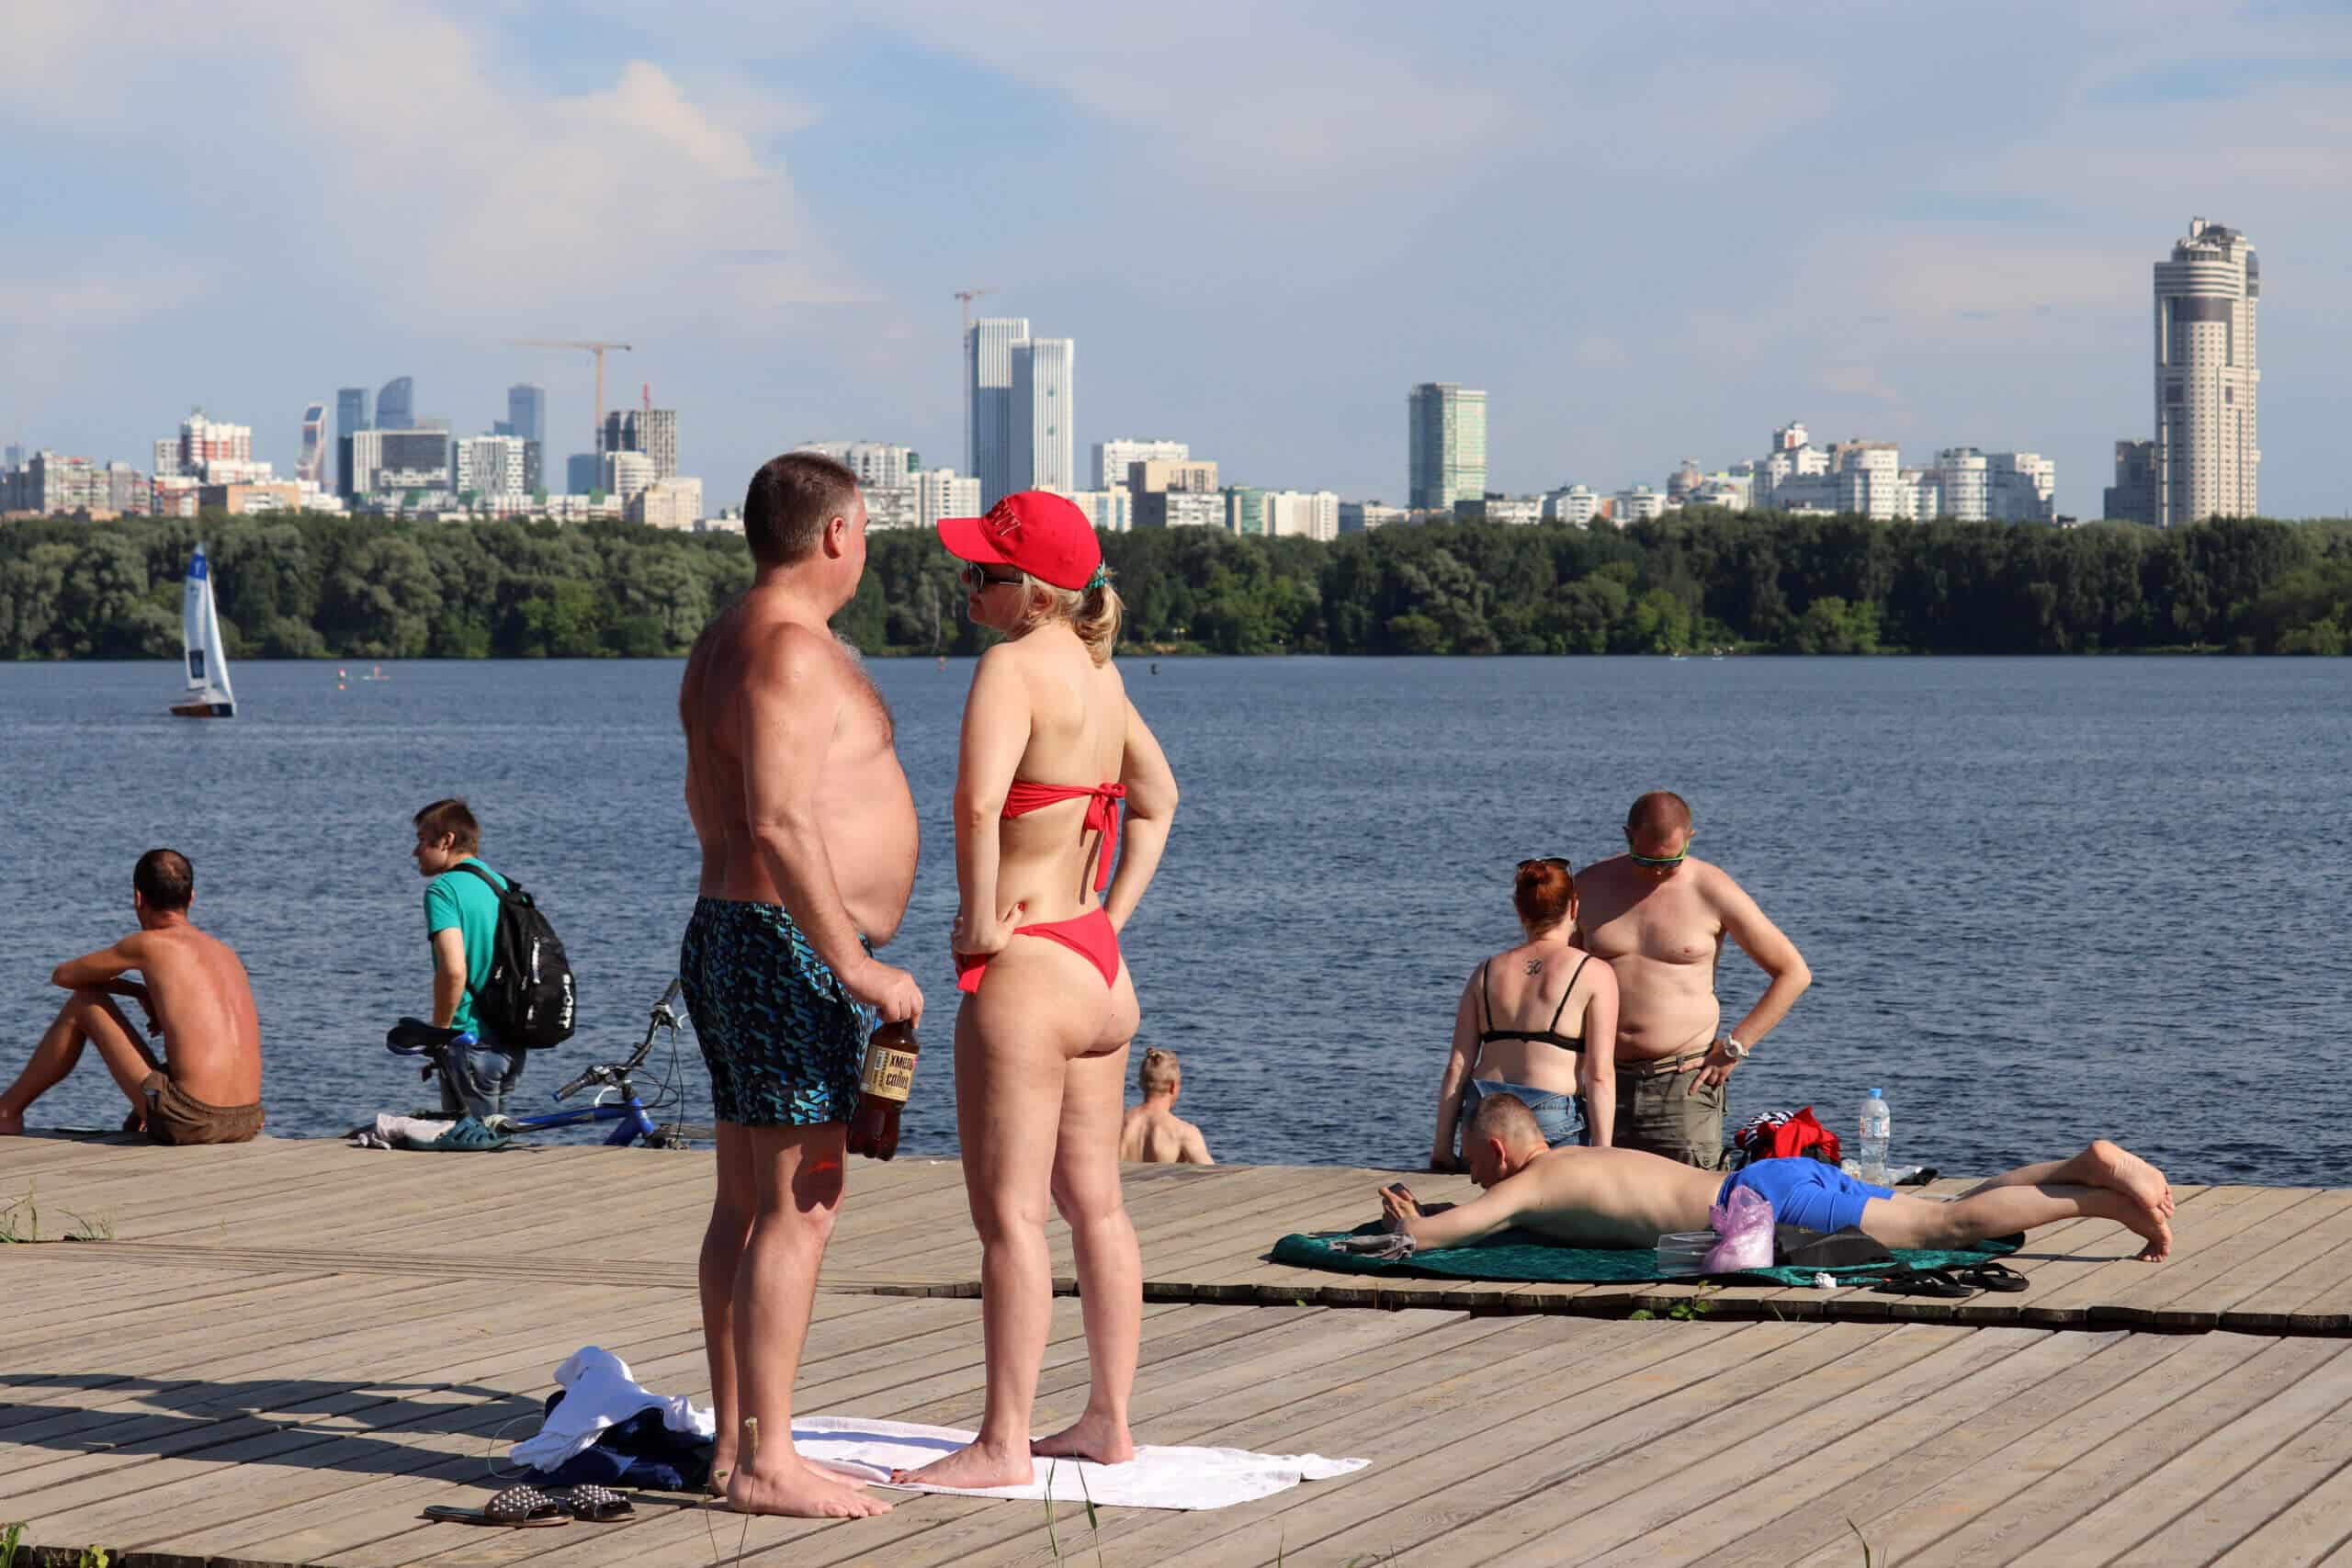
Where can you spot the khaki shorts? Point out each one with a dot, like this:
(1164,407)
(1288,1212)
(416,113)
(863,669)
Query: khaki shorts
(1664,1111)
(173,1117)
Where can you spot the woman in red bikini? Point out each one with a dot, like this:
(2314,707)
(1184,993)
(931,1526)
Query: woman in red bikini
(1052,751)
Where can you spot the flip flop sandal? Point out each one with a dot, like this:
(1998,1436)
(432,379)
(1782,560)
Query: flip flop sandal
(596,1505)
(1934,1282)
(518,1507)
(1992,1277)
(468,1135)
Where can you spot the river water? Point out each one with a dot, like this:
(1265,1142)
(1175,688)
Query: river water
(2041,898)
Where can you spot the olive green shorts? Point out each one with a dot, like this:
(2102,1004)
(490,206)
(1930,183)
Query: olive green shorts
(1668,1112)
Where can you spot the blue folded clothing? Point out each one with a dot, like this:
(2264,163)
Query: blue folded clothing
(639,1452)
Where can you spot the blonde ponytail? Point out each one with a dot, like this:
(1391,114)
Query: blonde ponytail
(1092,613)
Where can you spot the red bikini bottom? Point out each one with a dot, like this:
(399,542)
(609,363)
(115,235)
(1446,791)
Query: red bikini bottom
(1090,936)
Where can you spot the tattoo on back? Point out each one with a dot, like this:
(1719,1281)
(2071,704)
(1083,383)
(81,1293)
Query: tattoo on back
(1535,966)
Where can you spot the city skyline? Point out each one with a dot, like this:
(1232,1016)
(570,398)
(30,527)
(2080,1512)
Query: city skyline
(761,199)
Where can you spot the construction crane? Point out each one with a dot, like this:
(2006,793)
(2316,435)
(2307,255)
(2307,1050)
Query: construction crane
(596,438)
(971,458)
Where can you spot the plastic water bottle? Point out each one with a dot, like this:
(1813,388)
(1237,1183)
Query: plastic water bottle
(1878,1130)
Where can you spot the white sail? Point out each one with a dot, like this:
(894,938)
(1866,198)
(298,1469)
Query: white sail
(208,671)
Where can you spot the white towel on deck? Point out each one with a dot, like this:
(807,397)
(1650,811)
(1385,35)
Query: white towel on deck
(1155,1478)
(598,1393)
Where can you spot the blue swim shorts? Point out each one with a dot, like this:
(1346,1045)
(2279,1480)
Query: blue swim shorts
(1805,1192)
(784,1038)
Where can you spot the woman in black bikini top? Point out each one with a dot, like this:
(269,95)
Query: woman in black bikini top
(1568,1080)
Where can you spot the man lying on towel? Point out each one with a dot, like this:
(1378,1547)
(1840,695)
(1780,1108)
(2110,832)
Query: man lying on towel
(1583,1197)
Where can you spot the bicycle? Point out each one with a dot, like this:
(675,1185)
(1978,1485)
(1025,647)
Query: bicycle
(414,1037)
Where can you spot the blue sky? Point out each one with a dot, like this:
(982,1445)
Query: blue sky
(1650,233)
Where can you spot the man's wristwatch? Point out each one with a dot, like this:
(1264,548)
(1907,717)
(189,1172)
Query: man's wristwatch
(1739,1052)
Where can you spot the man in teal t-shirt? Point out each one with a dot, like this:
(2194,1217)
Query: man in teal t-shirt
(461,925)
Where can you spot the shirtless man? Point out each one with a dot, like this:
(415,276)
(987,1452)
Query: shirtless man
(207,1089)
(1583,1197)
(1659,918)
(1152,1132)
(808,842)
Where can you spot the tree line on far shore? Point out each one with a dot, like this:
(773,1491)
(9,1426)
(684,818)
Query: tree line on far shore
(317,586)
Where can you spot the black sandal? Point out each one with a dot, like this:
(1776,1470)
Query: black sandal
(1936,1283)
(1991,1276)
(518,1507)
(596,1505)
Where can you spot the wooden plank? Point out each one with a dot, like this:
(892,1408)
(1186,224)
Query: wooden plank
(2000,1508)
(2312,1526)
(2285,1389)
(2214,1531)
(2191,1293)
(2213,1216)
(2326,1263)
(1436,1440)
(1593,1487)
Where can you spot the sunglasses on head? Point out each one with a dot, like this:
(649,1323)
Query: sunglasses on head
(977,577)
(1560,861)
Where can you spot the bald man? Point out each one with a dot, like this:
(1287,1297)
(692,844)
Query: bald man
(1581,1197)
(1659,918)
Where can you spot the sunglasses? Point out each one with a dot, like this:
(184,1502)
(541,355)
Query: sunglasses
(1560,861)
(979,579)
(1657,860)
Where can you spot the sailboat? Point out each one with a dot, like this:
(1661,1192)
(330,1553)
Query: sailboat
(208,695)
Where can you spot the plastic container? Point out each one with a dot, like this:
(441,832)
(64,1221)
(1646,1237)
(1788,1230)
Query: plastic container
(1878,1133)
(1685,1252)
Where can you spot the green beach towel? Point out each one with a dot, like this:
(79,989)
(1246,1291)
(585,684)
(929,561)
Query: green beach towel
(1518,1257)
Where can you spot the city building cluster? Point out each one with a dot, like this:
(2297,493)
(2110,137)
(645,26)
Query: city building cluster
(376,454)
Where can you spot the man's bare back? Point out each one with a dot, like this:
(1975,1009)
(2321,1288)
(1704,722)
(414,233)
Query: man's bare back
(860,805)
(203,1002)
(1153,1135)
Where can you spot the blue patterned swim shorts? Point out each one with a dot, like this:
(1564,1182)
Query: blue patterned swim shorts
(782,1038)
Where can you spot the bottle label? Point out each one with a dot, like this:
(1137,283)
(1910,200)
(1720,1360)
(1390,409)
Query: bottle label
(889,1074)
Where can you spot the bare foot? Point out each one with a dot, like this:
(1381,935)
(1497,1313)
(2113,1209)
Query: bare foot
(12,1123)
(797,1489)
(1098,1438)
(2158,1235)
(2117,1167)
(974,1467)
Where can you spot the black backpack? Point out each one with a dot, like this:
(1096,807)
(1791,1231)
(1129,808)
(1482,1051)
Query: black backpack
(527,999)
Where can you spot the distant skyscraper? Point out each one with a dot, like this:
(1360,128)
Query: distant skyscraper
(1112,458)
(353,411)
(396,404)
(1044,455)
(2206,376)
(527,413)
(14,457)
(653,432)
(1446,445)
(2133,497)
(583,473)
(987,374)
(312,464)
(875,463)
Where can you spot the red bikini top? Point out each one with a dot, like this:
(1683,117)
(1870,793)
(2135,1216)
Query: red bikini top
(1102,812)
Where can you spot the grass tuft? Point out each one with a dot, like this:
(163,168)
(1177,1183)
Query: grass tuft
(10,1536)
(20,1221)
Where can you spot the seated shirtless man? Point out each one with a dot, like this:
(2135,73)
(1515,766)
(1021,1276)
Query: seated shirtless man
(1152,1132)
(1584,1197)
(207,1087)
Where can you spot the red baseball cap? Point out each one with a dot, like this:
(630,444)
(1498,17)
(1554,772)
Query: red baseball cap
(1036,531)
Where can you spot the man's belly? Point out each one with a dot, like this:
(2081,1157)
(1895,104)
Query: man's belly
(871,839)
(1664,1014)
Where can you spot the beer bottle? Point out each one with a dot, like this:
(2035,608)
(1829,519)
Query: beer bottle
(890,1055)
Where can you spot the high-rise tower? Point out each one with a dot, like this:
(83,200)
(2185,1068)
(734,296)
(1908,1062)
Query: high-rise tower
(312,464)
(1446,445)
(989,349)
(396,404)
(1044,455)
(2206,449)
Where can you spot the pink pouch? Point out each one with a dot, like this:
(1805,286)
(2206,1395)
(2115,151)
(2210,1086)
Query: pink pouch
(1745,1223)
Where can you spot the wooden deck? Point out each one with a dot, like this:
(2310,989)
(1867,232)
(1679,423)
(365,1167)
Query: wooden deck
(290,1347)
